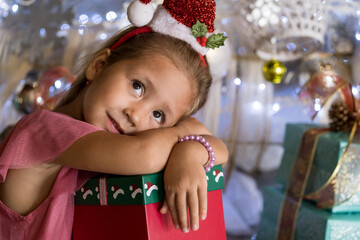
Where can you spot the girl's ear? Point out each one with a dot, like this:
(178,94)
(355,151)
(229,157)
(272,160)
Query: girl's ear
(97,63)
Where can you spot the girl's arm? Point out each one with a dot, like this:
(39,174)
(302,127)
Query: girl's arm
(146,152)
(185,181)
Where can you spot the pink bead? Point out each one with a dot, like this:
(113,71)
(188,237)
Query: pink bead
(206,144)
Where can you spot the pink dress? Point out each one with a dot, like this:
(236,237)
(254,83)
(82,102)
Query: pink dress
(38,138)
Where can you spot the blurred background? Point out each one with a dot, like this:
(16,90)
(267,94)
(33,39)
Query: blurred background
(274,48)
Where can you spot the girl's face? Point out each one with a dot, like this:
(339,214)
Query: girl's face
(137,95)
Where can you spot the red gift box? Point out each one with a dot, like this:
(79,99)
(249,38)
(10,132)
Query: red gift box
(127,207)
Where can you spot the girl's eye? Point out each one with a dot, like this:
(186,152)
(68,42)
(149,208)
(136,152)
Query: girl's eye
(159,116)
(138,87)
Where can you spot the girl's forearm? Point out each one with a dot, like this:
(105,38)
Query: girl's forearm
(146,152)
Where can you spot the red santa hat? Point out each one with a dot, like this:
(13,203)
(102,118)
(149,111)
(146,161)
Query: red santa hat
(133,187)
(189,20)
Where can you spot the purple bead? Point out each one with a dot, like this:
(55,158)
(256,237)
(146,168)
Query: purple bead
(192,137)
(186,138)
(212,159)
(211,164)
(181,140)
(197,138)
(207,169)
(206,144)
(209,148)
(211,153)
(202,140)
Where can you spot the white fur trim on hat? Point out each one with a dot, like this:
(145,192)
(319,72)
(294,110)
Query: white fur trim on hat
(140,14)
(164,23)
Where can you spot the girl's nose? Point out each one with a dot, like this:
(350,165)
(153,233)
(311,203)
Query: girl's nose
(137,112)
(132,116)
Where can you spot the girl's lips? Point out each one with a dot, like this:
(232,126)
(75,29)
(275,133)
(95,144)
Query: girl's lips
(115,125)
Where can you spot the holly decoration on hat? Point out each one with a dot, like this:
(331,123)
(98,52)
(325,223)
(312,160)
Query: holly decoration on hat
(199,30)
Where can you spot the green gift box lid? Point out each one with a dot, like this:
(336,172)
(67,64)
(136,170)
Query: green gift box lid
(134,190)
(312,223)
(329,149)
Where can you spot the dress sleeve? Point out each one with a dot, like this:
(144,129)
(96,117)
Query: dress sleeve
(38,138)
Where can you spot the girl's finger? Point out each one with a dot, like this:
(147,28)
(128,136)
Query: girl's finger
(202,192)
(164,209)
(172,208)
(194,210)
(181,208)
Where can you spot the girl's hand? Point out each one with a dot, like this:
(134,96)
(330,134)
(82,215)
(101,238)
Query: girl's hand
(186,185)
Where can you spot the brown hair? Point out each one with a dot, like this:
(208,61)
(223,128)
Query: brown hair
(184,57)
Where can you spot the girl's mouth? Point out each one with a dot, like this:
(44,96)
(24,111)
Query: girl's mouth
(116,125)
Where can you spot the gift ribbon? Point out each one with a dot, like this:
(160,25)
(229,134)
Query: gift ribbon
(320,88)
(295,189)
(344,182)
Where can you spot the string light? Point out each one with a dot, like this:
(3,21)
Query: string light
(43,32)
(15,8)
(102,36)
(81,31)
(39,100)
(276,107)
(262,86)
(65,26)
(237,81)
(4,9)
(256,105)
(317,105)
(111,16)
(357,36)
(57,84)
(83,19)
(355,91)
(96,19)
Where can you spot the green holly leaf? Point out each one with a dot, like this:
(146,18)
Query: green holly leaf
(199,29)
(215,40)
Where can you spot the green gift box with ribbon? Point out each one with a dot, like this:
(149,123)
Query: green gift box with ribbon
(312,223)
(127,207)
(327,154)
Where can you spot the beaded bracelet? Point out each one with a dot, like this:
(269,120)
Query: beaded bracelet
(206,144)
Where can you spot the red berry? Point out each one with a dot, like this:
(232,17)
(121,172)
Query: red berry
(202,41)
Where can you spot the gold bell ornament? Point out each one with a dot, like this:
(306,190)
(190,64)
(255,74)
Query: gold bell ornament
(273,71)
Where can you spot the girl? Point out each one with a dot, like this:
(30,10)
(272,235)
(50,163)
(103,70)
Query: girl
(123,115)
